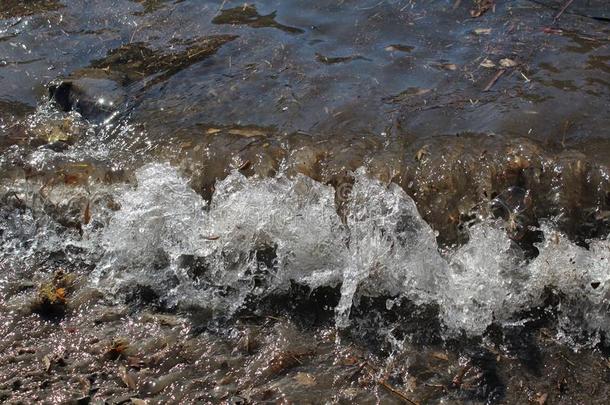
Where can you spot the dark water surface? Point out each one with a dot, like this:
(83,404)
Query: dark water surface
(304,201)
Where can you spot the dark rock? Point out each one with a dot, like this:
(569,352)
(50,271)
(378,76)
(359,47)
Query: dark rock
(93,98)
(59,146)
(141,295)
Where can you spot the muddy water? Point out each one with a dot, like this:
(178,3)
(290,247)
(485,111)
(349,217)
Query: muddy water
(304,202)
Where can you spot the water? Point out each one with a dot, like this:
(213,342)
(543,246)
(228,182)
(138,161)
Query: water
(309,202)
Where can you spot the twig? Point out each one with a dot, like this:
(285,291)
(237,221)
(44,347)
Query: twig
(567,360)
(494,79)
(396,392)
(14,193)
(441,386)
(220,8)
(384,384)
(565,6)
(459,377)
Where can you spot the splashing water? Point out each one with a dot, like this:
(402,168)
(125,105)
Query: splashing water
(258,235)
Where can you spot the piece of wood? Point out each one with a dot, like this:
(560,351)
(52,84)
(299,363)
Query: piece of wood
(494,80)
(564,8)
(397,393)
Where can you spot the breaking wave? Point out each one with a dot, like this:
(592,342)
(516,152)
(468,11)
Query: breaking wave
(259,235)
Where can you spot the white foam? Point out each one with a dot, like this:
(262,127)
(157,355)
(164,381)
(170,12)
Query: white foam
(381,248)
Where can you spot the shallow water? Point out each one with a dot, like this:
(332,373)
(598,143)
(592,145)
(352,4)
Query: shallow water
(304,202)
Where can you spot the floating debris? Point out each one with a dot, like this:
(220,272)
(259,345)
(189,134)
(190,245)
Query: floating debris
(487,63)
(328,60)
(482,31)
(399,48)
(508,63)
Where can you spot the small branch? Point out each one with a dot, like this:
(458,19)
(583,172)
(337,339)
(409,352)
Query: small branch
(564,8)
(396,392)
(372,370)
(459,377)
(494,79)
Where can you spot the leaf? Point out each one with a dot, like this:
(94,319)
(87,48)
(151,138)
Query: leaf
(507,63)
(246,132)
(482,7)
(440,356)
(46,361)
(487,63)
(422,153)
(60,293)
(399,48)
(305,379)
(482,31)
(541,398)
(408,93)
(128,378)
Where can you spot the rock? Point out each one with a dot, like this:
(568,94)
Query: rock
(94,98)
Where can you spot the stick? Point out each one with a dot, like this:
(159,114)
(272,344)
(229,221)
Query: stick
(565,6)
(385,385)
(220,8)
(494,80)
(459,377)
(396,392)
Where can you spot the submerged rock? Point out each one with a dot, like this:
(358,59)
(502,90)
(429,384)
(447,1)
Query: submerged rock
(102,88)
(91,97)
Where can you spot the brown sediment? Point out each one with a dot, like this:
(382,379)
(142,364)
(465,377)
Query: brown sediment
(22,8)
